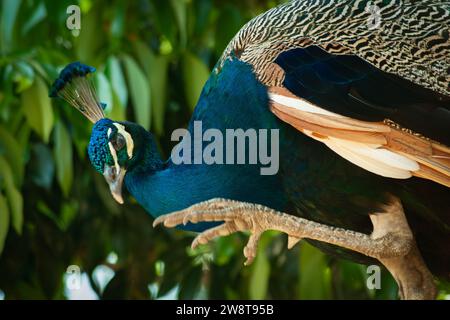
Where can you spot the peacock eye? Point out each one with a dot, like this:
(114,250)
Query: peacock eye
(119,142)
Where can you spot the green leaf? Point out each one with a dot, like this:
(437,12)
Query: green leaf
(4,222)
(159,268)
(8,14)
(38,15)
(91,37)
(140,92)
(24,76)
(158,84)
(118,22)
(259,279)
(314,279)
(195,74)
(103,89)
(118,90)
(224,250)
(6,176)
(39,69)
(117,112)
(165,21)
(14,196)
(179,9)
(117,79)
(156,69)
(62,153)
(144,55)
(37,108)
(22,139)
(16,204)
(12,153)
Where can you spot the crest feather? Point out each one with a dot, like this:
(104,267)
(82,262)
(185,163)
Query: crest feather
(75,86)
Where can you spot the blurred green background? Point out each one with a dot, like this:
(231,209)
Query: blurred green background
(152,59)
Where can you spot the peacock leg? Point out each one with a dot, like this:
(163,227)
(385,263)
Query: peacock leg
(391,241)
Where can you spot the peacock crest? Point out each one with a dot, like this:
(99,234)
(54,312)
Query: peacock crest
(75,85)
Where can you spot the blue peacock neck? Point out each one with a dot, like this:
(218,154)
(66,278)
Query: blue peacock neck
(232,99)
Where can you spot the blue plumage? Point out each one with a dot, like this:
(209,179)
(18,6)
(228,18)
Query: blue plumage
(163,187)
(231,99)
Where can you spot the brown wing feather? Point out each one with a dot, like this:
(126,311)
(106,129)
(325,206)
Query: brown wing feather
(432,158)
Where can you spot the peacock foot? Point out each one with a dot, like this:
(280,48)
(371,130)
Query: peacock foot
(237,216)
(391,241)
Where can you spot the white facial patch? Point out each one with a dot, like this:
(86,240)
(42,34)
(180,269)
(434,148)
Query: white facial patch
(113,151)
(128,139)
(114,155)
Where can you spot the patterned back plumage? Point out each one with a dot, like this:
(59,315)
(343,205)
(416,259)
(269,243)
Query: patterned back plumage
(409,38)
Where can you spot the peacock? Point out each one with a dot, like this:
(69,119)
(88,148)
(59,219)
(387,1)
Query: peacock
(358,93)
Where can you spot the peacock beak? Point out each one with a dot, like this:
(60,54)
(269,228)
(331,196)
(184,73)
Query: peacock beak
(114,176)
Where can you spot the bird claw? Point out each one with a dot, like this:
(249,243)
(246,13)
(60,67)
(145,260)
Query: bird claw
(184,216)
(236,217)
(391,242)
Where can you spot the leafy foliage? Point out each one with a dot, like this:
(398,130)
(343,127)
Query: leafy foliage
(152,57)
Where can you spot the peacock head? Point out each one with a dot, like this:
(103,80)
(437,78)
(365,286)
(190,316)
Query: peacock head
(111,147)
(110,150)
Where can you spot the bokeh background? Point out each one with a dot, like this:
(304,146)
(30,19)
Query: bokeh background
(56,213)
